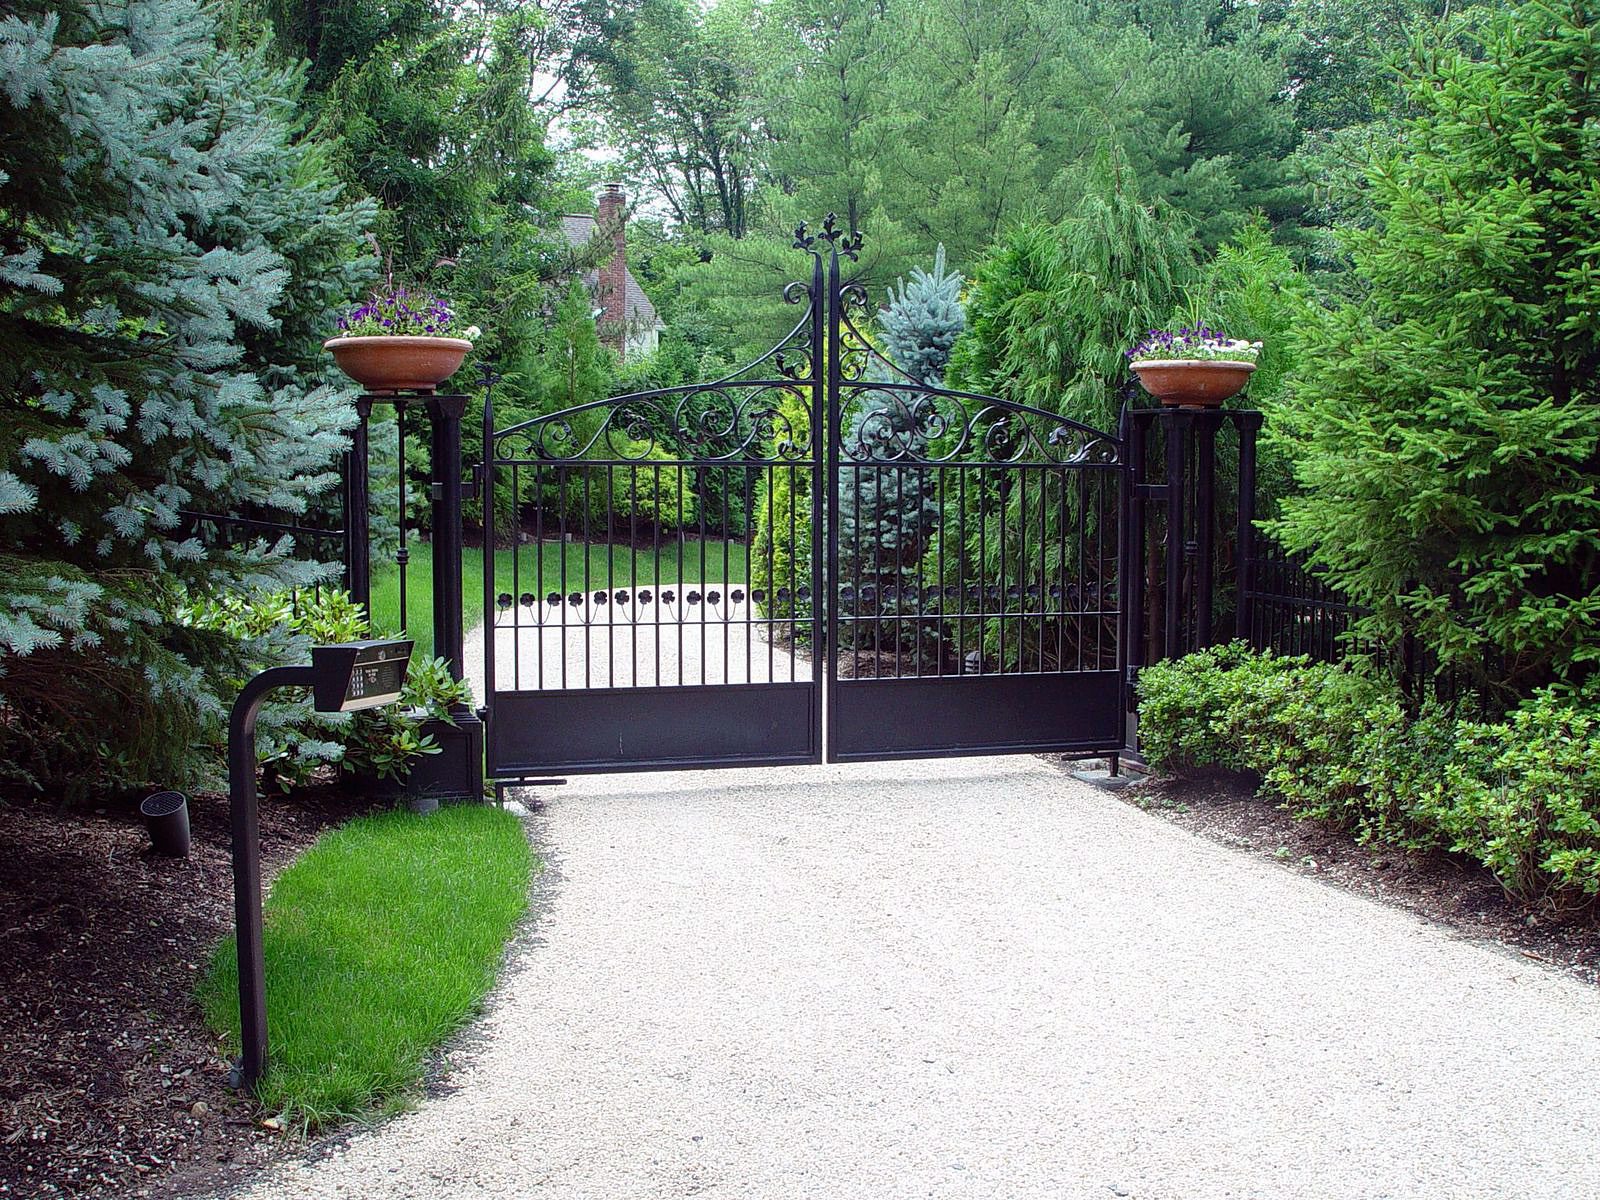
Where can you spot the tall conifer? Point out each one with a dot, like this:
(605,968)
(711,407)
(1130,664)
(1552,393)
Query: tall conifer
(169,255)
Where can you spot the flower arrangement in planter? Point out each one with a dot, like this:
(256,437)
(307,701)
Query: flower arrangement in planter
(1194,367)
(401,341)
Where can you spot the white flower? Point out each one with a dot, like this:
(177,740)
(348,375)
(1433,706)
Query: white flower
(472,333)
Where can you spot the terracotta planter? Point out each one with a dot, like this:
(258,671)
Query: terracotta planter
(1192,384)
(398,364)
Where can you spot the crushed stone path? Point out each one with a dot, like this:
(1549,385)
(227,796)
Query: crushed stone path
(975,978)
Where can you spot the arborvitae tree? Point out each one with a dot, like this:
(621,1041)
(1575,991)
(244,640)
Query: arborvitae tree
(169,255)
(1054,309)
(887,514)
(1443,429)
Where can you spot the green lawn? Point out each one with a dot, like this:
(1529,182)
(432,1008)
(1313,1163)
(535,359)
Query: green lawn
(380,940)
(623,563)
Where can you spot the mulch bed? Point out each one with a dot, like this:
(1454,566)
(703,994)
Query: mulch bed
(110,1082)
(1451,890)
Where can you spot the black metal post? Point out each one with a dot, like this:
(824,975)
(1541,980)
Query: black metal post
(1178,424)
(1249,424)
(357,515)
(247,867)
(489,379)
(1134,603)
(824,491)
(449,639)
(1205,520)
(449,634)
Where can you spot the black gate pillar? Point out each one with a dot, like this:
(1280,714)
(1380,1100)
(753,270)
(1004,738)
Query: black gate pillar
(1244,554)
(449,635)
(357,511)
(461,760)
(1171,584)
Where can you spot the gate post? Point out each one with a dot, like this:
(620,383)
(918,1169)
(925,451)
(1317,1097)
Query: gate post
(357,511)
(1249,424)
(462,767)
(1178,422)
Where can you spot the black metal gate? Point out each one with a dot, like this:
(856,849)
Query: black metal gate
(815,556)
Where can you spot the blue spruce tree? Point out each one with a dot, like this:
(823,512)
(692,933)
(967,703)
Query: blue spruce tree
(170,255)
(887,515)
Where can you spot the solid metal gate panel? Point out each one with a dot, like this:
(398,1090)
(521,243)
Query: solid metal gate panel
(948,586)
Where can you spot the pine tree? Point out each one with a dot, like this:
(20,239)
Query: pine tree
(887,514)
(169,255)
(1442,429)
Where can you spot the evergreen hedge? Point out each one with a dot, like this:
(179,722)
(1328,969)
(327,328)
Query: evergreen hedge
(1520,795)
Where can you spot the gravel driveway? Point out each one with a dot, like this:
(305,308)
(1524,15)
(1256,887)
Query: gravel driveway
(976,978)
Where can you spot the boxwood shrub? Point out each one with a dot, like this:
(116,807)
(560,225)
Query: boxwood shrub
(1333,743)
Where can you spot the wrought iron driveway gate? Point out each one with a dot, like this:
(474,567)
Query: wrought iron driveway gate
(814,556)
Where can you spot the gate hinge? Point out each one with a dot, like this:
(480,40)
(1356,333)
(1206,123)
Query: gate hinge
(1132,683)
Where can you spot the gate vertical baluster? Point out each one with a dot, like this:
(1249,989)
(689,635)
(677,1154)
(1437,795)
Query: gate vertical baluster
(608,609)
(1133,597)
(679,581)
(541,593)
(563,478)
(825,489)
(748,510)
(1082,600)
(655,597)
(727,584)
(633,563)
(941,610)
(587,616)
(705,608)
(489,573)
(1205,521)
(1045,475)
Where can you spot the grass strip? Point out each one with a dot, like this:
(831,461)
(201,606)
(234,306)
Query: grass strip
(381,940)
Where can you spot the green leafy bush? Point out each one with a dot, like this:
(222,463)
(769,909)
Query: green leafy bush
(293,741)
(649,493)
(1521,796)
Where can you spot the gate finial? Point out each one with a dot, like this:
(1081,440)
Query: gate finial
(848,245)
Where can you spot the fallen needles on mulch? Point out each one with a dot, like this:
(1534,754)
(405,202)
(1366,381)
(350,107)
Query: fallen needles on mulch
(1447,889)
(111,1084)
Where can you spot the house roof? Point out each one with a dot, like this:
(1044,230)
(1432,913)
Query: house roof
(639,312)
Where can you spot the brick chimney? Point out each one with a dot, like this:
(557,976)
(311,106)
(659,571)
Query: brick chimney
(612,291)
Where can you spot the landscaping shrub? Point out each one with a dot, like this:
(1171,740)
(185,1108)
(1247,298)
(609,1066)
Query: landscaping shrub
(649,494)
(1521,795)
(293,741)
